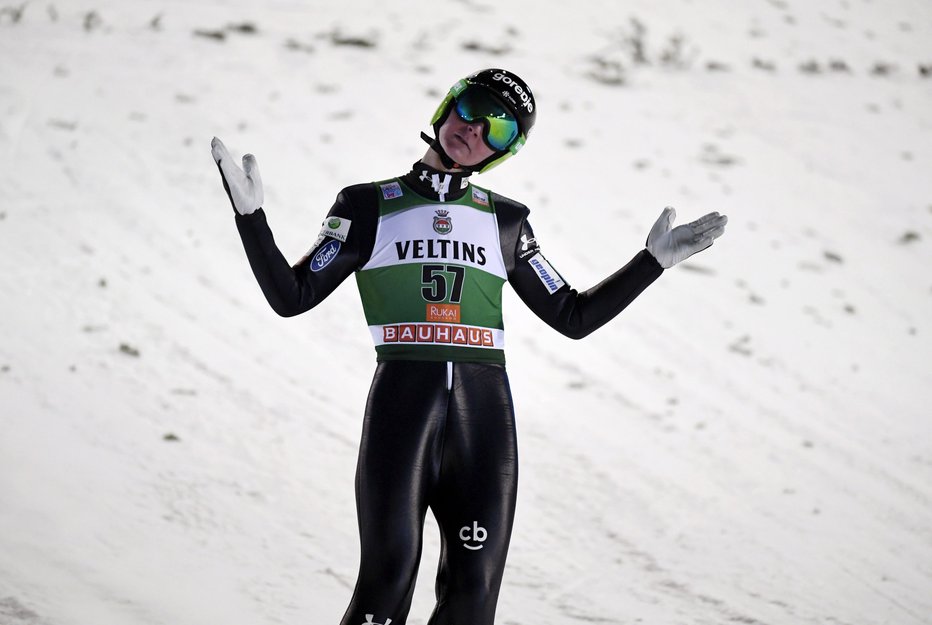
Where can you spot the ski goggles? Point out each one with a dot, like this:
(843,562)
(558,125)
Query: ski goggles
(500,128)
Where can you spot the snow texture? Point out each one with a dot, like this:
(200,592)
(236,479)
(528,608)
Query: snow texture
(750,442)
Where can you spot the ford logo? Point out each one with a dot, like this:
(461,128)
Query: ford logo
(325,255)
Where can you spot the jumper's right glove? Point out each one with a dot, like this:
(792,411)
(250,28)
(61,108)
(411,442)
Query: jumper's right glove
(670,246)
(243,186)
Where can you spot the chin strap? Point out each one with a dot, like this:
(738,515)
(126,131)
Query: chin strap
(434,144)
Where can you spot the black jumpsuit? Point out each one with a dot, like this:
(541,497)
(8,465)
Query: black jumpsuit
(436,435)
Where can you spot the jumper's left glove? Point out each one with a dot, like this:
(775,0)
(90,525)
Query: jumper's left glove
(671,245)
(243,186)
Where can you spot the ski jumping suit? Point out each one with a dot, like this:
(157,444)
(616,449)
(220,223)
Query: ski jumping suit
(431,253)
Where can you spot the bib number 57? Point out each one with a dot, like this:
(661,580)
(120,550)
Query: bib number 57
(437,286)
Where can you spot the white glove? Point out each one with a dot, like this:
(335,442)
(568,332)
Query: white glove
(243,186)
(671,246)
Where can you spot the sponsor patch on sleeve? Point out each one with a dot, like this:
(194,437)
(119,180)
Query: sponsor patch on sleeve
(325,255)
(548,277)
(391,190)
(335,227)
(480,197)
(528,246)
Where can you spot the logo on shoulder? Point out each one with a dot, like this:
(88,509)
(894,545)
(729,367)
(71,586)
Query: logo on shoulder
(550,278)
(391,190)
(336,227)
(480,197)
(443,223)
(325,255)
(528,246)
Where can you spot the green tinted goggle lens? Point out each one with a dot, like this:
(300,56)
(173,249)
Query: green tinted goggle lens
(500,127)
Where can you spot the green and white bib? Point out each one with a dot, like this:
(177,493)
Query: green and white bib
(432,289)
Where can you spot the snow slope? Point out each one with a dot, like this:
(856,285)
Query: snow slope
(750,442)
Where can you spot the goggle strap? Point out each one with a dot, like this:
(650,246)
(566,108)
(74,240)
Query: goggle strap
(454,91)
(458,88)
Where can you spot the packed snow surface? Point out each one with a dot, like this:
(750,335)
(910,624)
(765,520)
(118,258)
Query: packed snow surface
(750,442)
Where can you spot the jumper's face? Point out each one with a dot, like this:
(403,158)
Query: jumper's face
(463,141)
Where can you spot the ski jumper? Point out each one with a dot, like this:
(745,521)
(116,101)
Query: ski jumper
(431,253)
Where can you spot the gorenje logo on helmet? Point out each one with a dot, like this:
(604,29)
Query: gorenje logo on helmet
(525,98)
